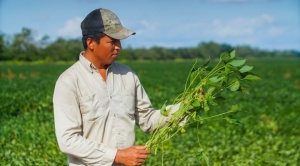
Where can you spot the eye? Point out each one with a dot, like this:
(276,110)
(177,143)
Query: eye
(114,42)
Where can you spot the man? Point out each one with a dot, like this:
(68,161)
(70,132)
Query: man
(97,102)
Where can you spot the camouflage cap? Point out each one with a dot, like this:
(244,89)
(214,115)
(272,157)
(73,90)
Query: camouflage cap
(104,21)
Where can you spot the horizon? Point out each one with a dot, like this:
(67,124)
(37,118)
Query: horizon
(260,24)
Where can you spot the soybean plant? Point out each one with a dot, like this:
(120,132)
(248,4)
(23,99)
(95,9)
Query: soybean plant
(204,89)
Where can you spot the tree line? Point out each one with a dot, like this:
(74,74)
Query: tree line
(23,47)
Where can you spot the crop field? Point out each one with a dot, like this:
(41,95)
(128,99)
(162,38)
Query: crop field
(267,132)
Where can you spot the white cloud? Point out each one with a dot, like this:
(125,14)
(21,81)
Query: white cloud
(266,18)
(219,28)
(238,30)
(242,26)
(145,28)
(148,25)
(253,31)
(71,28)
(275,31)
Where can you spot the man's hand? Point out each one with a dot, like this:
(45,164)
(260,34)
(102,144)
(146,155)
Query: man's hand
(132,156)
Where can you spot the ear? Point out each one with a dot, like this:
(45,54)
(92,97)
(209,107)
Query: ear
(90,43)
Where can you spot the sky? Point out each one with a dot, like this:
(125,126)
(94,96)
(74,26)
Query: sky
(261,24)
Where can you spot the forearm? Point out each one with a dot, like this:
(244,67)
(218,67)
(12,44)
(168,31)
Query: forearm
(149,120)
(87,151)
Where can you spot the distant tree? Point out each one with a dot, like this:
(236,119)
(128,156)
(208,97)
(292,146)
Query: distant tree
(246,51)
(161,53)
(63,50)
(1,45)
(127,54)
(43,42)
(212,49)
(23,46)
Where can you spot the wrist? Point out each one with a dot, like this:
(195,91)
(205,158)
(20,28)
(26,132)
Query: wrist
(117,157)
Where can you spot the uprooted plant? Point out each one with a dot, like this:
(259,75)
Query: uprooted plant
(204,89)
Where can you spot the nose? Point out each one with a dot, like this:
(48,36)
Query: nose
(118,45)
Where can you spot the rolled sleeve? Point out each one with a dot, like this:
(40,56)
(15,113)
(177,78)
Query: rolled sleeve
(148,118)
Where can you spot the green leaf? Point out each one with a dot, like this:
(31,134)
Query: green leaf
(164,111)
(215,79)
(201,155)
(235,86)
(234,108)
(209,98)
(232,121)
(237,63)
(232,54)
(252,77)
(206,107)
(225,56)
(193,75)
(206,63)
(182,130)
(196,103)
(246,69)
(245,89)
(195,116)
(231,68)
(210,90)
(231,80)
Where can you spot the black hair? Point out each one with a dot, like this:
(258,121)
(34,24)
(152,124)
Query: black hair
(95,37)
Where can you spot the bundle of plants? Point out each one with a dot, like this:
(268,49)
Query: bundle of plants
(204,89)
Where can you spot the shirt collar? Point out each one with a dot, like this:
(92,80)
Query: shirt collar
(86,63)
(89,65)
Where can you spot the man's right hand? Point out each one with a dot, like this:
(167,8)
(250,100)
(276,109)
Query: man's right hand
(132,156)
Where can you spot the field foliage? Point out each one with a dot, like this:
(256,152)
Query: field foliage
(267,133)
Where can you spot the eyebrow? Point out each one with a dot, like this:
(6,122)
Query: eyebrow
(112,38)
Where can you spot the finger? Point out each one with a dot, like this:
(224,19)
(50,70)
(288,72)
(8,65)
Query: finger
(142,156)
(140,147)
(140,161)
(146,152)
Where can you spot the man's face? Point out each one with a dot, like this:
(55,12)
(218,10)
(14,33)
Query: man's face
(107,50)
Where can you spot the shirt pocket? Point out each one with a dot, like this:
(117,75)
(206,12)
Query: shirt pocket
(124,104)
(91,108)
(129,105)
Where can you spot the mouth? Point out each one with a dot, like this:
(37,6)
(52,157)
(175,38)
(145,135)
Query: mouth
(114,56)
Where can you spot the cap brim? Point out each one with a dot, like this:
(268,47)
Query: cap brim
(119,33)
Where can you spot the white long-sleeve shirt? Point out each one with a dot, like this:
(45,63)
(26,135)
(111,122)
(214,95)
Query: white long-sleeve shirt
(94,118)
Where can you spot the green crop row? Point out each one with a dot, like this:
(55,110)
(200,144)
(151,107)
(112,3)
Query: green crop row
(267,134)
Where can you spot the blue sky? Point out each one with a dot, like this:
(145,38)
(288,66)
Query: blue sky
(263,24)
